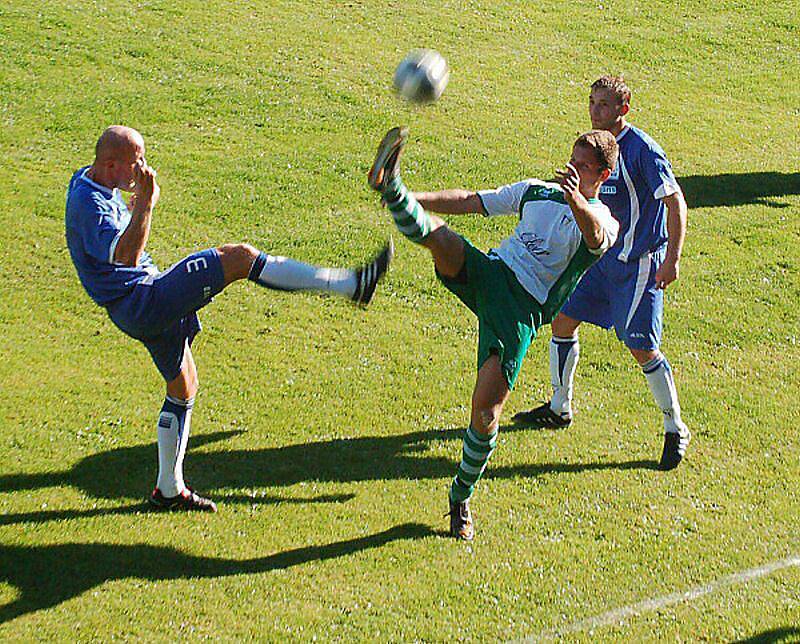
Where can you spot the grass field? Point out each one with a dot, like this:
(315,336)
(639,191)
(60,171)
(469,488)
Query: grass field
(329,435)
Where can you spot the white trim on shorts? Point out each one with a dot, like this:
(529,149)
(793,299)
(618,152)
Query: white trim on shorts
(641,286)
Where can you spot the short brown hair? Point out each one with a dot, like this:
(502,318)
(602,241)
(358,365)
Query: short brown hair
(617,85)
(604,145)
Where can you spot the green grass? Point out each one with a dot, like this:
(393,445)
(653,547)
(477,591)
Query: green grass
(329,435)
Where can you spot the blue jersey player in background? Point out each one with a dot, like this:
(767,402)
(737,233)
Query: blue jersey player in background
(106,239)
(625,288)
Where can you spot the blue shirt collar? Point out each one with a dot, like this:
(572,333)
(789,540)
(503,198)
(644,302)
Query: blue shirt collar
(108,192)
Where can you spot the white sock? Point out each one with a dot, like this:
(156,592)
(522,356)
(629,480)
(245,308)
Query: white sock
(174,425)
(659,377)
(564,354)
(287,274)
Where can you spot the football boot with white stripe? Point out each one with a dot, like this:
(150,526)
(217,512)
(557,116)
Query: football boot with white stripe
(542,416)
(675,444)
(368,276)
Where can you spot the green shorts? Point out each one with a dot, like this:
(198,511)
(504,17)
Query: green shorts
(508,316)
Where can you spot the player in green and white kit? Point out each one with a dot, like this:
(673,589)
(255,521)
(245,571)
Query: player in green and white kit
(514,289)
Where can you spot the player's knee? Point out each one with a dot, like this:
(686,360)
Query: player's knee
(237,259)
(184,388)
(437,223)
(643,356)
(485,419)
(238,252)
(564,326)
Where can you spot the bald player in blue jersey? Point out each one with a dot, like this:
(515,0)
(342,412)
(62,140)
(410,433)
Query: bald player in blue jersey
(106,239)
(625,288)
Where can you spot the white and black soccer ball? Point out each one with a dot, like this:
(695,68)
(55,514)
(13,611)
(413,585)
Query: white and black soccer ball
(421,76)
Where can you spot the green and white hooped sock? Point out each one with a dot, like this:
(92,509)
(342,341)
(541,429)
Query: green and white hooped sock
(475,455)
(409,217)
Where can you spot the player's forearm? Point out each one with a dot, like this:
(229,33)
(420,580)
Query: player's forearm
(131,245)
(450,202)
(676,225)
(589,223)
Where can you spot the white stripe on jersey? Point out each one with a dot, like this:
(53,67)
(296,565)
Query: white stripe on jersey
(628,244)
(113,248)
(641,284)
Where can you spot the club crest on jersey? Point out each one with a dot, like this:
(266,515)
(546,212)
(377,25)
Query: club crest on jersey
(534,244)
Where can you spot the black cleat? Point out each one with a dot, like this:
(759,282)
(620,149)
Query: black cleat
(368,276)
(187,501)
(542,416)
(461,526)
(675,445)
(387,160)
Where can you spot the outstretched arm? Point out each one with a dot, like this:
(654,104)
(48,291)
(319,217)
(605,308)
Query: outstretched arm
(451,202)
(132,242)
(589,223)
(676,231)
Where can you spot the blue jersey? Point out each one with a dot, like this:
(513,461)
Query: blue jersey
(95,218)
(633,193)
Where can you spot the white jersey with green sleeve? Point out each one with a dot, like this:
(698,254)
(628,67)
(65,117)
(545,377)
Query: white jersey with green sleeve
(546,252)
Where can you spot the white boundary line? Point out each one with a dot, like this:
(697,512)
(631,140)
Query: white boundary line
(618,615)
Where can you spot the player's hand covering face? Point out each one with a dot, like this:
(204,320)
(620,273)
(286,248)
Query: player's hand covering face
(569,180)
(146,189)
(582,168)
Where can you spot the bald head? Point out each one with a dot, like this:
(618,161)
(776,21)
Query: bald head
(118,143)
(117,153)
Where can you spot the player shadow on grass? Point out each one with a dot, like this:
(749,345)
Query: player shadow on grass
(126,472)
(738,189)
(786,634)
(42,516)
(46,576)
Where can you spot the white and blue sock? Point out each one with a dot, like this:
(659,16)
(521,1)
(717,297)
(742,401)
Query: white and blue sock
(174,424)
(285,274)
(659,377)
(564,353)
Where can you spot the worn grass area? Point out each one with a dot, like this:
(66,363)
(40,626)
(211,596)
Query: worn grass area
(328,434)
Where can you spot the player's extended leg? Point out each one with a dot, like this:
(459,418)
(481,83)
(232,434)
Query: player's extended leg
(658,373)
(564,353)
(410,218)
(241,261)
(490,394)
(174,424)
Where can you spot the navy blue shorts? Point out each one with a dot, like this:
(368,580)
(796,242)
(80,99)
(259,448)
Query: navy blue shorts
(622,295)
(161,310)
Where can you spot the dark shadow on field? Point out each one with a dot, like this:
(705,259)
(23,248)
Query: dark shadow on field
(45,576)
(706,191)
(785,634)
(43,516)
(128,471)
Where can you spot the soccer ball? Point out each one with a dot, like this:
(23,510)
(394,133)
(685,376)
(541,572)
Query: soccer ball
(421,76)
